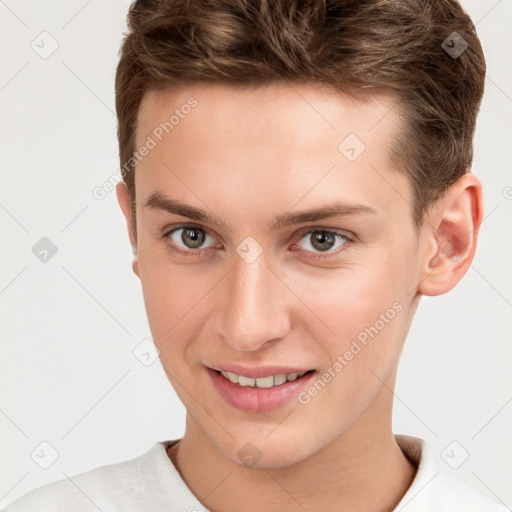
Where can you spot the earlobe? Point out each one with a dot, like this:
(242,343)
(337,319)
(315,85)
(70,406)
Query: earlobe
(135,266)
(453,231)
(124,200)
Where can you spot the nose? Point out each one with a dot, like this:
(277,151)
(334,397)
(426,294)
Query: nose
(253,309)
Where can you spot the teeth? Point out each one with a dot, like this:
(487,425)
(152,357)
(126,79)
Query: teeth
(279,379)
(233,377)
(245,381)
(262,382)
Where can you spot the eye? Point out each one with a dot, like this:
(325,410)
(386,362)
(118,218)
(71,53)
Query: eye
(188,240)
(322,240)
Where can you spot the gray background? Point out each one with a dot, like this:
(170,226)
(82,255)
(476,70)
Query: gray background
(69,326)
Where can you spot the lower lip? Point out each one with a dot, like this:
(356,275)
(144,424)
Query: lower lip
(258,400)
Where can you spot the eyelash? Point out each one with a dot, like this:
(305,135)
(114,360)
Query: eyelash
(197,253)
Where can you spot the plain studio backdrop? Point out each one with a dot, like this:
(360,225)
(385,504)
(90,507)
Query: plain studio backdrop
(77,389)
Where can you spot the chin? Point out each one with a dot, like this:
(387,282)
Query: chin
(261,450)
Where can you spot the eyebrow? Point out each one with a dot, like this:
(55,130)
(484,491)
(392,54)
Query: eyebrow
(159,201)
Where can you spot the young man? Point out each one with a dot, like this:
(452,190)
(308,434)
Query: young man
(296,177)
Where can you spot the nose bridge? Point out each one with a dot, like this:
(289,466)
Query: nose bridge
(253,311)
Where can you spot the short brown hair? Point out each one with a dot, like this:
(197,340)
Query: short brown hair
(396,45)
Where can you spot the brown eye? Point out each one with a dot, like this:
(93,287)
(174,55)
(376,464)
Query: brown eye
(188,240)
(327,241)
(322,240)
(193,238)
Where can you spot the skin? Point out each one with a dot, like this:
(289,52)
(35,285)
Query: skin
(248,155)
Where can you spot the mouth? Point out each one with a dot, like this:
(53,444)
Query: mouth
(259,394)
(268,382)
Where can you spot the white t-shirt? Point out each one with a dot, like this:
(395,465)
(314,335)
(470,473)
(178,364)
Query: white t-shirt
(151,483)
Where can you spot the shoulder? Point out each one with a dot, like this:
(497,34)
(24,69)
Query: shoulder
(451,492)
(98,489)
(435,488)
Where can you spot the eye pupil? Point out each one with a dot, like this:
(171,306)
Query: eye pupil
(193,238)
(321,238)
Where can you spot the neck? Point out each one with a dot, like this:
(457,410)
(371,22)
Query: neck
(363,469)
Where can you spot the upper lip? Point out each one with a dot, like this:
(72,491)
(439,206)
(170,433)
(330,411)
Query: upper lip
(256,372)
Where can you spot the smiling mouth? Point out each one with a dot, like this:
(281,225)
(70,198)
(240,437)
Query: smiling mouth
(263,382)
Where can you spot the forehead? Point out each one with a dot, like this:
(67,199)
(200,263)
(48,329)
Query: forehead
(220,137)
(270,106)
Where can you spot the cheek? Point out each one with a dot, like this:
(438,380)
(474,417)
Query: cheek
(358,324)
(349,299)
(369,323)
(174,295)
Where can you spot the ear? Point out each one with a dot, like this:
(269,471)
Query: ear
(451,233)
(123,198)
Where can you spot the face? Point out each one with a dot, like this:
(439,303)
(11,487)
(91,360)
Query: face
(240,273)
